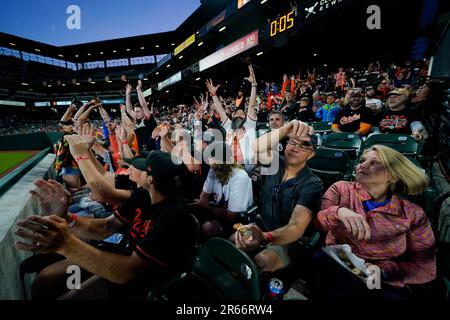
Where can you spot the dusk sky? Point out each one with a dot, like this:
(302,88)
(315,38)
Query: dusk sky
(45,20)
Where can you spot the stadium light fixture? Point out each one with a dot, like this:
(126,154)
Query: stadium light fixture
(101,52)
(89,54)
(109,81)
(180,57)
(172,44)
(77,83)
(157,46)
(12,44)
(157,73)
(92,82)
(168,66)
(142,48)
(259,53)
(222,29)
(37,50)
(325,65)
(200,44)
(128,49)
(197,79)
(63,84)
(145,79)
(114,51)
(60,55)
(315,54)
(24,83)
(49,86)
(167,91)
(263,1)
(76,56)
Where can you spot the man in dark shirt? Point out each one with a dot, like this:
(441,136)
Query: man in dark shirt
(159,230)
(291,198)
(289,106)
(355,118)
(398,118)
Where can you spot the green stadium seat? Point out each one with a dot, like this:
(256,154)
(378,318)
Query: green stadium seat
(348,142)
(403,143)
(331,166)
(322,126)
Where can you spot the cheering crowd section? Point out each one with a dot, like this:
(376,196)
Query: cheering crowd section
(117,181)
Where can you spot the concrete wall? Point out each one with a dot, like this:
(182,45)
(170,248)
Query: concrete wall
(16,204)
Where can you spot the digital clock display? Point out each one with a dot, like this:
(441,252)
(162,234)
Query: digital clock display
(281,24)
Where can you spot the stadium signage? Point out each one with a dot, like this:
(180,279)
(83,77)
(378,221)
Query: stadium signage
(186,43)
(212,23)
(319,6)
(147,92)
(241,3)
(281,24)
(243,44)
(169,81)
(42,104)
(164,60)
(12,103)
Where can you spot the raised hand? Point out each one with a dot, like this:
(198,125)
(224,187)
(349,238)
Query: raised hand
(121,133)
(251,78)
(52,197)
(139,85)
(77,146)
(87,135)
(128,89)
(210,86)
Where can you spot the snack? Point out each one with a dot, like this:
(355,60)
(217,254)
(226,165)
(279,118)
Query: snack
(239,227)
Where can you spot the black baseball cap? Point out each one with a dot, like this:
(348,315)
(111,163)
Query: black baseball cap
(158,164)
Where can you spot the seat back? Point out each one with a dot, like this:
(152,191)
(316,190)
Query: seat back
(348,142)
(331,165)
(226,272)
(322,126)
(403,143)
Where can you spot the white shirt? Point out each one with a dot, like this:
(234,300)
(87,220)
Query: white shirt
(237,193)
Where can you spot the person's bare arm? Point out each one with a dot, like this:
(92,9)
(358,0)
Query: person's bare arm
(129,105)
(252,104)
(67,115)
(85,116)
(217,104)
(93,178)
(142,101)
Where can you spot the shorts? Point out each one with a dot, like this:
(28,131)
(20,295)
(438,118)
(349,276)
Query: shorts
(68,171)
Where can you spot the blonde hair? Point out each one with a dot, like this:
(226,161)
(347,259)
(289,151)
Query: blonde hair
(406,177)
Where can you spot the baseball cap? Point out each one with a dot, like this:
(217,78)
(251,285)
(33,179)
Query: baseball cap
(356,93)
(399,92)
(158,164)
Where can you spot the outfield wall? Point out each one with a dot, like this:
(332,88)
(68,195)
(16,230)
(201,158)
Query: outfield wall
(29,141)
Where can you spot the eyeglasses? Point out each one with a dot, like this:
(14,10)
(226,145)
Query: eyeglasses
(304,145)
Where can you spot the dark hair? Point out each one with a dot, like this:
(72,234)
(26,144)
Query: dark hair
(168,187)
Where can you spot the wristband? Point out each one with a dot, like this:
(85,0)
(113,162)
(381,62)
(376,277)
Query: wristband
(124,141)
(73,219)
(213,94)
(269,237)
(81,158)
(254,84)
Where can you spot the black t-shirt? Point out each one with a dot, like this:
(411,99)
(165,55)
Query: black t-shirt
(263,116)
(350,120)
(143,130)
(163,234)
(305,114)
(397,121)
(280,199)
(291,109)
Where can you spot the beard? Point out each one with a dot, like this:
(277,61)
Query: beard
(237,123)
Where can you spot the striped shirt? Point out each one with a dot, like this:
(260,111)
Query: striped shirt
(402,243)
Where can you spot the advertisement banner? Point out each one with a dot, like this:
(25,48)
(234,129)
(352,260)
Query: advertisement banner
(243,44)
(169,81)
(186,43)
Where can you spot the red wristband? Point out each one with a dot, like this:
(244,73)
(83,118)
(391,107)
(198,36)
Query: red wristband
(213,94)
(124,141)
(269,237)
(73,219)
(81,158)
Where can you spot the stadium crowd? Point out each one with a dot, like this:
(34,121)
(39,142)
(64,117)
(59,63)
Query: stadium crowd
(134,182)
